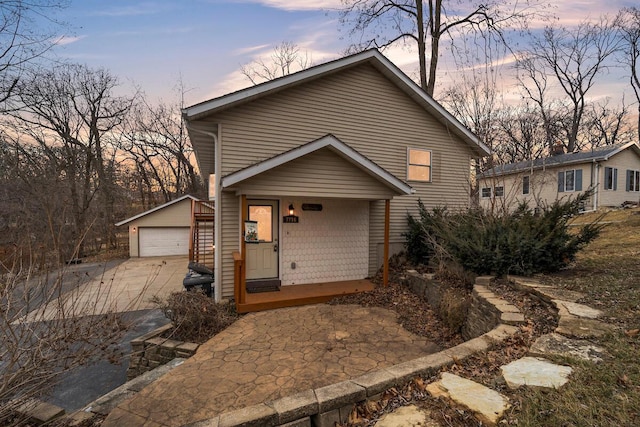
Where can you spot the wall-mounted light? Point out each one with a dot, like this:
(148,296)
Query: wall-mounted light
(291,218)
(134,229)
(291,209)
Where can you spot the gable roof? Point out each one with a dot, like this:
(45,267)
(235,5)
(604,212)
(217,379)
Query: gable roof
(157,208)
(598,155)
(373,57)
(327,141)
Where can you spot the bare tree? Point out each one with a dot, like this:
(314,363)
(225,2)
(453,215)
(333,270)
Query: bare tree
(572,58)
(285,59)
(22,39)
(382,23)
(629,26)
(69,112)
(605,125)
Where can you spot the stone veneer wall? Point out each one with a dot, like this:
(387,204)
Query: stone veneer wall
(151,350)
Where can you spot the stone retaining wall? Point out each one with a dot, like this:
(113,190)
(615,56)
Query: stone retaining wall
(493,320)
(151,350)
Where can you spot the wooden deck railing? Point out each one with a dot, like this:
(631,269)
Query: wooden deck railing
(202,242)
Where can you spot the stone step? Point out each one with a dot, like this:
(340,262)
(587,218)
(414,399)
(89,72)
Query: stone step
(487,405)
(407,416)
(535,372)
(558,345)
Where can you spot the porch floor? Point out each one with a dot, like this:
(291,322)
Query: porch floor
(297,295)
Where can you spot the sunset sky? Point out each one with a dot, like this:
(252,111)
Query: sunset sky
(152,44)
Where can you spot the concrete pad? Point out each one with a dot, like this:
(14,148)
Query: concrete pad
(407,416)
(559,345)
(535,372)
(40,412)
(487,405)
(129,286)
(579,310)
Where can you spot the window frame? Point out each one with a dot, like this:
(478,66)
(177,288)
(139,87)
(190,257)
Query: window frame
(429,166)
(528,186)
(576,175)
(482,191)
(497,193)
(633,180)
(610,178)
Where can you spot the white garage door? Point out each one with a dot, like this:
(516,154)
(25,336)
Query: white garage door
(164,241)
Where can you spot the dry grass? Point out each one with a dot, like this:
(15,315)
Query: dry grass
(606,394)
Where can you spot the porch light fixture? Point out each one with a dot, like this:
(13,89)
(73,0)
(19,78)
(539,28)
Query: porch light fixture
(291,218)
(291,209)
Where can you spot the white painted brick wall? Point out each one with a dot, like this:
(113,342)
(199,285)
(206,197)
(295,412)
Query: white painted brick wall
(327,246)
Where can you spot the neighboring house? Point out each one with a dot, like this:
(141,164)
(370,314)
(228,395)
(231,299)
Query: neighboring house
(327,162)
(613,172)
(161,231)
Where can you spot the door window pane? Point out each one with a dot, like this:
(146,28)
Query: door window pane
(263,215)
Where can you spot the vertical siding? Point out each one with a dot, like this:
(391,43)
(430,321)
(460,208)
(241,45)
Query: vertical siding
(367,112)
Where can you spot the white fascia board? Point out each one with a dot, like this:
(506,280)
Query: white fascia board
(157,208)
(622,148)
(326,141)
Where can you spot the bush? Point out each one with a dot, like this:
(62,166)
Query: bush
(522,242)
(195,316)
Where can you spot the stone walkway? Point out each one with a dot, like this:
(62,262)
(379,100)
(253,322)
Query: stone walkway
(576,323)
(272,354)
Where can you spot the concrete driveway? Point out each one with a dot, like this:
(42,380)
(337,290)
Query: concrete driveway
(126,287)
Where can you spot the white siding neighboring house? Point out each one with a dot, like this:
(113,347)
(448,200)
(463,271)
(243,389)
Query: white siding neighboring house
(613,172)
(161,231)
(334,143)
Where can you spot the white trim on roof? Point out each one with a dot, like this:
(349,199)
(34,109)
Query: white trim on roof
(394,73)
(622,148)
(327,141)
(157,208)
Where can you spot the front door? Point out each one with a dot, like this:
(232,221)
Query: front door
(262,257)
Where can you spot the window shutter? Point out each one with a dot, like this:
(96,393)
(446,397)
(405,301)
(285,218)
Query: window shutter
(607,175)
(560,182)
(615,179)
(578,179)
(629,175)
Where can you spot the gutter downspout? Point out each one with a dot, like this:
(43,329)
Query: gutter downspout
(217,272)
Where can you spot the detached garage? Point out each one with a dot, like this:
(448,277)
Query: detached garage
(161,231)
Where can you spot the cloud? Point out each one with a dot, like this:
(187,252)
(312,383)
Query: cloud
(139,9)
(153,32)
(65,40)
(292,5)
(250,49)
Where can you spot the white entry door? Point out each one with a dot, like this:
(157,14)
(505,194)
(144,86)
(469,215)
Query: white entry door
(262,257)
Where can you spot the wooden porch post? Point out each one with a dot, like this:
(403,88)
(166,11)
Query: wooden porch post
(385,268)
(243,253)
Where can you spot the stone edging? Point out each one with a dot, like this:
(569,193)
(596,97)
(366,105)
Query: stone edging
(150,351)
(324,406)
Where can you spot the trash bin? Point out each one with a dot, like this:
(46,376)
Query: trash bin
(199,277)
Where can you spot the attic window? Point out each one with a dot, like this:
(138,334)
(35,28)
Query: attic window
(418,165)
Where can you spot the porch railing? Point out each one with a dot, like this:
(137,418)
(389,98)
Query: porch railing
(202,242)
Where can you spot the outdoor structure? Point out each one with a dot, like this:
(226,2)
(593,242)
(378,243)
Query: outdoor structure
(161,231)
(613,172)
(313,175)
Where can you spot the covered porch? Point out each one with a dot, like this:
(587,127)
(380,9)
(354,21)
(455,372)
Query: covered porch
(312,222)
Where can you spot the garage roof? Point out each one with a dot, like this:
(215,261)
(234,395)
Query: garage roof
(157,208)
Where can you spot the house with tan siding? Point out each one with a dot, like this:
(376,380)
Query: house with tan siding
(313,174)
(611,172)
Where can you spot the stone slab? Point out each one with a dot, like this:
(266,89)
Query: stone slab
(535,372)
(41,412)
(579,310)
(582,328)
(559,345)
(488,405)
(376,382)
(299,405)
(335,396)
(407,416)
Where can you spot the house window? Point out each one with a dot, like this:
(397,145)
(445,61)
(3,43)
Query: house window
(418,165)
(499,191)
(525,184)
(610,178)
(486,192)
(633,180)
(570,180)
